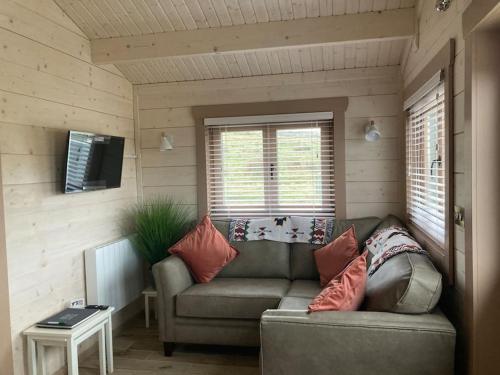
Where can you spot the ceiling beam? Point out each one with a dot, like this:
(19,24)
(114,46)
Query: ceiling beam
(389,24)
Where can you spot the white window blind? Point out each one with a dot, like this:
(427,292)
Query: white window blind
(271,169)
(426,164)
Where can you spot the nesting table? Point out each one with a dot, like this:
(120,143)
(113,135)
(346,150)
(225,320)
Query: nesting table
(39,338)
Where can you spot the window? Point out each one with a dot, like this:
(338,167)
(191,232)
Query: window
(426,161)
(271,166)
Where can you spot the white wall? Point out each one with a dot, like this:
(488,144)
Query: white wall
(47,86)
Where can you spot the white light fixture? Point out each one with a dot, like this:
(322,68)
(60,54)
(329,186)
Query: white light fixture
(372,133)
(166,143)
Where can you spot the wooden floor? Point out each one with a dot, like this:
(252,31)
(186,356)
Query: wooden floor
(138,352)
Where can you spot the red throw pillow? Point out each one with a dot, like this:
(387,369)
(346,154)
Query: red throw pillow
(205,251)
(334,257)
(345,292)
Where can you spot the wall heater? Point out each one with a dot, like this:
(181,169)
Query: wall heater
(114,274)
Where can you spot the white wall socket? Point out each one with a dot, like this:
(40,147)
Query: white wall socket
(77,303)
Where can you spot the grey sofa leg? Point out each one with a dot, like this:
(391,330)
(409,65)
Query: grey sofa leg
(168,348)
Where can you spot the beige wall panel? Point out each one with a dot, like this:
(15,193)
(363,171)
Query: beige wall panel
(373,170)
(26,81)
(458,125)
(179,156)
(388,126)
(27,110)
(47,86)
(374,192)
(182,137)
(459,152)
(381,210)
(166,118)
(387,149)
(23,51)
(183,194)
(169,176)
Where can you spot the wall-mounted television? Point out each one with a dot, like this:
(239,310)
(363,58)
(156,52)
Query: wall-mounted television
(93,162)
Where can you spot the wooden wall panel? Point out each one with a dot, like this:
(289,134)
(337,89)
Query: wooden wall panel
(373,170)
(48,86)
(436,28)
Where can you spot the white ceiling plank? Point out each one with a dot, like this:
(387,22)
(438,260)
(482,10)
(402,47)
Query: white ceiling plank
(352,6)
(393,4)
(383,54)
(365,6)
(317,58)
(186,73)
(202,67)
(222,65)
(361,55)
(372,54)
(84,21)
(209,12)
(243,64)
(263,61)
(174,70)
(328,55)
(339,7)
(233,7)
(222,12)
(197,14)
(172,15)
(284,57)
(305,59)
(158,12)
(212,66)
(299,9)
(260,9)
(273,10)
(391,24)
(99,18)
(325,8)
(286,9)
(295,60)
(134,21)
(233,66)
(312,8)
(192,67)
(183,11)
(379,5)
(350,56)
(253,64)
(147,14)
(339,56)
(248,12)
(274,61)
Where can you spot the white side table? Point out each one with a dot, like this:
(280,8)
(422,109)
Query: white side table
(149,292)
(39,338)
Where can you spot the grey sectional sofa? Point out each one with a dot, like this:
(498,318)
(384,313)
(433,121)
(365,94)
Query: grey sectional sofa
(261,298)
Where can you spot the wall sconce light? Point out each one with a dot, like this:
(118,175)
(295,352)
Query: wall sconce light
(442,5)
(372,133)
(166,143)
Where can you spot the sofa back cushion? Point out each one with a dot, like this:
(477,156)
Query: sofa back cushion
(257,259)
(406,283)
(302,264)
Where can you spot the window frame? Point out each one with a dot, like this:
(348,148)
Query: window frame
(336,105)
(442,255)
(269,132)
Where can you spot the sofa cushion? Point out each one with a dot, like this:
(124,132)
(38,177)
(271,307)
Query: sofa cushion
(304,288)
(406,283)
(302,264)
(257,259)
(294,303)
(231,298)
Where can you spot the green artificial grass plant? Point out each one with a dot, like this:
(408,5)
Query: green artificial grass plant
(158,224)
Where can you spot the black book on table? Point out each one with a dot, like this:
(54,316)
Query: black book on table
(68,318)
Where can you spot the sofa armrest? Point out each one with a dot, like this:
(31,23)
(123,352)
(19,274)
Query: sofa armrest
(353,343)
(171,277)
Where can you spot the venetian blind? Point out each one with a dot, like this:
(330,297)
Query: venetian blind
(271,169)
(426,164)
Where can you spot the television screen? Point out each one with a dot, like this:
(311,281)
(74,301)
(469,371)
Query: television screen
(93,162)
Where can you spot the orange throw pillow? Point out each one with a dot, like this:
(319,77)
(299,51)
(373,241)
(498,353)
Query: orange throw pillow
(334,257)
(345,292)
(205,251)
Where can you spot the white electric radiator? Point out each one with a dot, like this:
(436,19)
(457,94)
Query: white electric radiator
(114,274)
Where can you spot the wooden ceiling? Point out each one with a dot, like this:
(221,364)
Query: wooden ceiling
(119,19)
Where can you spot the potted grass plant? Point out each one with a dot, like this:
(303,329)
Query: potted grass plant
(157,224)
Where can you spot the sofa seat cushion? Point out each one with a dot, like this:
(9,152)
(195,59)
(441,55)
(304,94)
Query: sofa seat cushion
(304,289)
(236,298)
(295,303)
